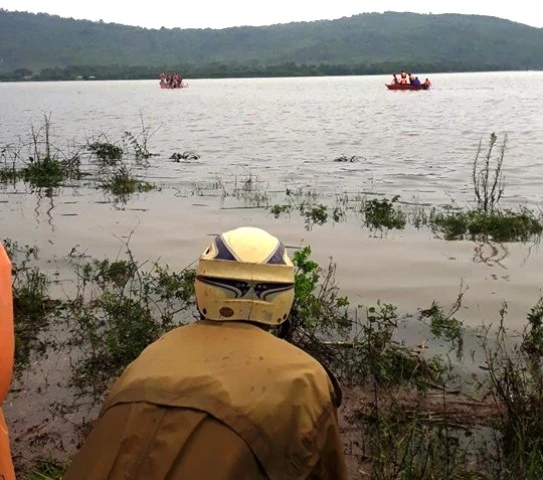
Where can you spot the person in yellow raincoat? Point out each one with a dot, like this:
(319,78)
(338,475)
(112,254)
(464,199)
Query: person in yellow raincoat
(7,344)
(222,398)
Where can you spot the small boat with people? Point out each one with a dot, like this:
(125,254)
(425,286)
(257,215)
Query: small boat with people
(407,81)
(172,81)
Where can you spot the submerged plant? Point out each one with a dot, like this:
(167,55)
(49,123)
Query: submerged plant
(499,226)
(34,310)
(46,469)
(42,167)
(488,182)
(107,152)
(313,214)
(381,214)
(515,382)
(122,183)
(120,309)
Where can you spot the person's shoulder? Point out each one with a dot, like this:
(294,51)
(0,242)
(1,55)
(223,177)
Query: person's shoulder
(293,357)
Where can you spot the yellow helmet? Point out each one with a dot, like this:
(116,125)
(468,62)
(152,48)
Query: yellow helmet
(245,275)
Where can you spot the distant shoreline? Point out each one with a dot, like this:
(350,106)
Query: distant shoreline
(93,73)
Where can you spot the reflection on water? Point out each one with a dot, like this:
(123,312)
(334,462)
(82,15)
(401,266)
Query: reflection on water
(265,137)
(490,253)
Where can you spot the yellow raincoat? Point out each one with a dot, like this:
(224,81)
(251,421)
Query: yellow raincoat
(216,400)
(7,343)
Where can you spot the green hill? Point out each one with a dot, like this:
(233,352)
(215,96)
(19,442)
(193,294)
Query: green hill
(391,40)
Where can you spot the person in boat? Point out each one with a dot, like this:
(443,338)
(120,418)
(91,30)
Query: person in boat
(426,83)
(394,79)
(222,398)
(7,348)
(163,78)
(416,82)
(403,77)
(411,78)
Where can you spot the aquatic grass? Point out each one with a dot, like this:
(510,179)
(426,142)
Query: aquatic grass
(313,214)
(454,223)
(515,382)
(320,314)
(251,191)
(120,308)
(499,226)
(9,175)
(122,183)
(139,143)
(487,176)
(405,443)
(34,310)
(487,220)
(41,167)
(277,210)
(46,469)
(381,214)
(210,188)
(46,172)
(107,153)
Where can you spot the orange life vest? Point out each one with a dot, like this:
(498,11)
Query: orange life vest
(7,345)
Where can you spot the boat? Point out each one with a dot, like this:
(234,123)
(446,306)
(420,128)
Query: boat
(173,87)
(406,86)
(172,81)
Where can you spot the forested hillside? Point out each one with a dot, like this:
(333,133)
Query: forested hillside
(367,41)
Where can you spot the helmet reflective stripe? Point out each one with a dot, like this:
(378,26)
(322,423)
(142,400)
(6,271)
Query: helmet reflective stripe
(223,252)
(240,289)
(245,274)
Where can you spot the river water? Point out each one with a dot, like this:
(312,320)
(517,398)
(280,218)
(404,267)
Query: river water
(280,134)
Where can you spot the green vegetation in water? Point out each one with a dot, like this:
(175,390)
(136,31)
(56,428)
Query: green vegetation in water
(33,308)
(250,190)
(515,383)
(487,176)
(122,183)
(381,214)
(499,226)
(129,308)
(139,143)
(377,214)
(314,214)
(46,469)
(487,219)
(41,168)
(46,172)
(107,152)
(486,222)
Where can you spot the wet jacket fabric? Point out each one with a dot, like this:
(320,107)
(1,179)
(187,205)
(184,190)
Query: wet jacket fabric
(218,401)
(6,360)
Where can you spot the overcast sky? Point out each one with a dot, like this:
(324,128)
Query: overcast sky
(229,13)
